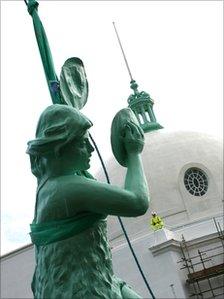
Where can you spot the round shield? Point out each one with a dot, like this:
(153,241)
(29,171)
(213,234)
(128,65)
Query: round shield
(121,119)
(73,83)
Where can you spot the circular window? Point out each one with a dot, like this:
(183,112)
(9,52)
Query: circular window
(195,181)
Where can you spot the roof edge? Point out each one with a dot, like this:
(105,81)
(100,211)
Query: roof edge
(16,251)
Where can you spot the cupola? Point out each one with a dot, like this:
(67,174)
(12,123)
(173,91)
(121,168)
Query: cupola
(142,105)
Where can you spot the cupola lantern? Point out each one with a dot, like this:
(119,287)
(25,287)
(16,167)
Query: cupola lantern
(142,105)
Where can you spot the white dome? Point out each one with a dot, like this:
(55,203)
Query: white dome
(166,158)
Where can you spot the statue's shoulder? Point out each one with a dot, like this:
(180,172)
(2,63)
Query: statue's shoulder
(57,187)
(62,182)
(53,200)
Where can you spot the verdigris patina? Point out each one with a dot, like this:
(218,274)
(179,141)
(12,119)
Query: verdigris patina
(69,230)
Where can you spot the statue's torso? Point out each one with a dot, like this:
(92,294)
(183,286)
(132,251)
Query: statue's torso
(78,267)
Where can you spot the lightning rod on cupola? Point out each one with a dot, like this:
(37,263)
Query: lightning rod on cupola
(140,102)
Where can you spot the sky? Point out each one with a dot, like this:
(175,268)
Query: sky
(175,53)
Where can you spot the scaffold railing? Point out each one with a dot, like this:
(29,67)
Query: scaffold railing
(205,270)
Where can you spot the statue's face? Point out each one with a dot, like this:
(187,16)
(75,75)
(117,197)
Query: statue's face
(78,152)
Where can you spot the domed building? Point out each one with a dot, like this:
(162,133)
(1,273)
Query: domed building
(184,174)
(184,171)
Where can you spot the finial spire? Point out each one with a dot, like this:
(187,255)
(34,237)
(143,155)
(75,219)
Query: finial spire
(125,59)
(140,102)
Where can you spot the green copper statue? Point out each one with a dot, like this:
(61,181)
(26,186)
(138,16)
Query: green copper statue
(73,258)
(69,230)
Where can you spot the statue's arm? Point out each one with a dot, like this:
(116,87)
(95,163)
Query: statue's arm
(89,195)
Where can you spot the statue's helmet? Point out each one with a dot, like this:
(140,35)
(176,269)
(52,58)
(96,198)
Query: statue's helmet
(57,125)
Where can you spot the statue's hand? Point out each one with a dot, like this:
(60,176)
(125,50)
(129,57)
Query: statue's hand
(133,138)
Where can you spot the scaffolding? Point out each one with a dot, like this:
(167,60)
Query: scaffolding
(205,276)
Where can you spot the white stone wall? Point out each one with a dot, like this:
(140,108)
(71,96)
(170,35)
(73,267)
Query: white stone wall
(16,273)
(159,254)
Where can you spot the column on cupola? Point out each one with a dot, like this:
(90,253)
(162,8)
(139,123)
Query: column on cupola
(137,116)
(151,114)
(143,114)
